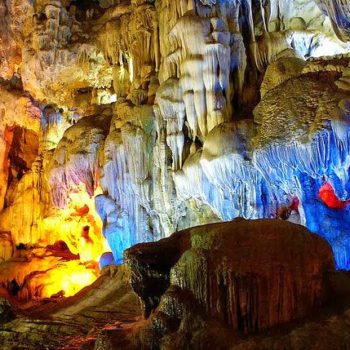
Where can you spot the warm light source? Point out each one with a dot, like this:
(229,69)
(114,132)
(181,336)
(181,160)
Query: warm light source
(64,257)
(66,279)
(78,225)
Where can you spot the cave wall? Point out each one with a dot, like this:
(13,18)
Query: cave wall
(154,116)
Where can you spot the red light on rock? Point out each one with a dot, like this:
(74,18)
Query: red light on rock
(328,197)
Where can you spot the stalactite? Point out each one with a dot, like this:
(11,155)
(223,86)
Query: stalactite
(177,80)
(339,12)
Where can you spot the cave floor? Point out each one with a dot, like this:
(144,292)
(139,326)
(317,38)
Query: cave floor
(108,307)
(106,314)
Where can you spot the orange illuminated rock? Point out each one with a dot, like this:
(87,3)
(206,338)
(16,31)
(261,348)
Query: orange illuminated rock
(6,246)
(81,211)
(44,273)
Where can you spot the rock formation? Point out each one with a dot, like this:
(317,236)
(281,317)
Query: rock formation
(249,275)
(204,286)
(6,312)
(134,105)
(122,122)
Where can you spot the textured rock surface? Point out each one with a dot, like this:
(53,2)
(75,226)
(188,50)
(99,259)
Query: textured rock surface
(124,121)
(106,314)
(6,312)
(249,275)
(109,305)
(106,317)
(143,113)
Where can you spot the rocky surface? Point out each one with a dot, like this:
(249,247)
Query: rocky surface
(133,105)
(108,305)
(247,275)
(6,312)
(238,285)
(122,122)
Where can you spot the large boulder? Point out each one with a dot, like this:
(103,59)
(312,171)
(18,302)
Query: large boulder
(246,275)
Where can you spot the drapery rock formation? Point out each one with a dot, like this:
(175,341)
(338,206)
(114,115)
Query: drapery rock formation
(124,121)
(249,275)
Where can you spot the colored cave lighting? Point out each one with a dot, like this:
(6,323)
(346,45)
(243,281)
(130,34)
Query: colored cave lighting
(67,279)
(86,251)
(107,259)
(328,196)
(79,226)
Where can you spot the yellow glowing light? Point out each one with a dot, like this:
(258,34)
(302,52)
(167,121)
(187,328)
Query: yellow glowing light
(131,68)
(86,250)
(47,271)
(68,279)
(78,225)
(106,247)
(46,276)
